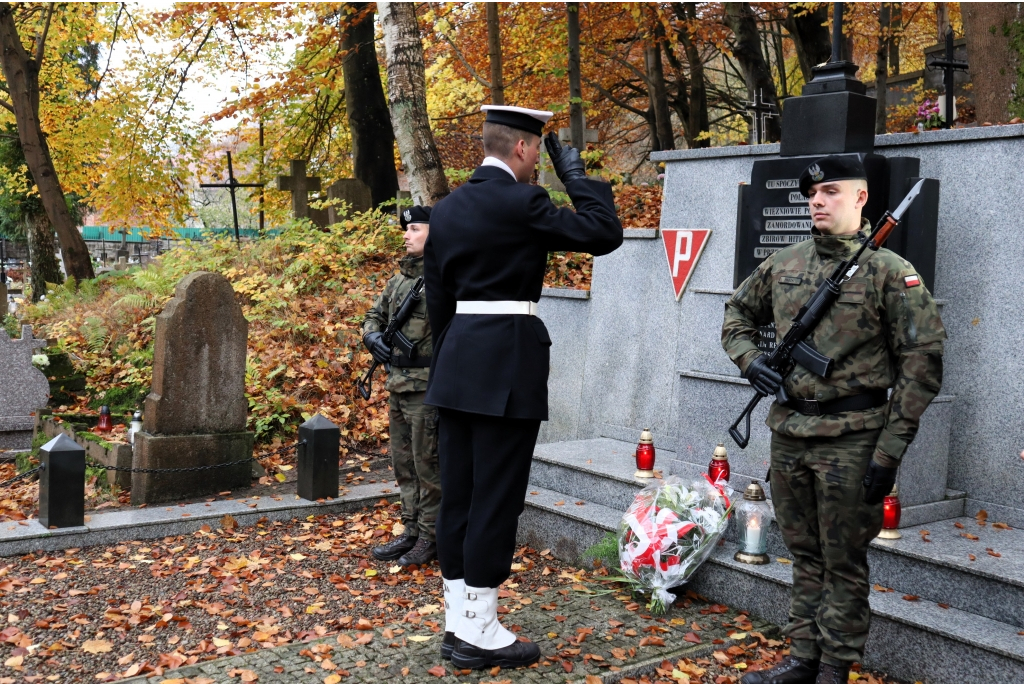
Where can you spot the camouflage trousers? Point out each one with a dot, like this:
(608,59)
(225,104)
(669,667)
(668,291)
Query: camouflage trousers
(818,494)
(414,457)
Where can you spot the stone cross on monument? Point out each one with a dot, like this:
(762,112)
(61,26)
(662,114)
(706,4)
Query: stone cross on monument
(300,187)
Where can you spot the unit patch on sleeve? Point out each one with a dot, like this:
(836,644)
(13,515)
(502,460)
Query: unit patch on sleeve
(912,280)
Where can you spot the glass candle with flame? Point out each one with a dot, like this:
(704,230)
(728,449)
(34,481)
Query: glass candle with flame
(753,516)
(104,424)
(718,469)
(645,455)
(891,511)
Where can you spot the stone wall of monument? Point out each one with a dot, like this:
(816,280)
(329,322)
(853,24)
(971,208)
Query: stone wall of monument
(647,360)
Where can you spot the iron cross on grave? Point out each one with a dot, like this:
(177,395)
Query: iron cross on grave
(300,187)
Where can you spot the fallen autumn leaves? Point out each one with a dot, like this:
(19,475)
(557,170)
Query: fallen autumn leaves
(143,608)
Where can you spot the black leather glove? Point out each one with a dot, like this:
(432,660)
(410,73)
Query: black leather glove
(764,379)
(375,344)
(878,482)
(569,166)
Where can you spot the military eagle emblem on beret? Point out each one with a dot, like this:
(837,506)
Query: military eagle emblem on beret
(816,173)
(408,215)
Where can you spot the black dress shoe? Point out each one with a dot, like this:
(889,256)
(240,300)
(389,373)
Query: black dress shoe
(515,655)
(448,645)
(827,673)
(423,552)
(394,549)
(792,669)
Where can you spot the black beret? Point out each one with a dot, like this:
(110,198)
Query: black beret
(831,168)
(415,215)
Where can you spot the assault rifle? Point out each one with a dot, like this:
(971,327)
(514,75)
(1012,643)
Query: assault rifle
(392,336)
(793,349)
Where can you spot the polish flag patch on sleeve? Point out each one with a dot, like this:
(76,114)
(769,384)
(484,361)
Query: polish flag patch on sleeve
(912,280)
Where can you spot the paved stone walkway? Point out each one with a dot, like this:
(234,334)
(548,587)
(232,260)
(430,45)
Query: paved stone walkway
(585,631)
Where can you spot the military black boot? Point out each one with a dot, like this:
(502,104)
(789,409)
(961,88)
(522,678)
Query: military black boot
(424,552)
(515,655)
(394,549)
(448,645)
(792,669)
(827,673)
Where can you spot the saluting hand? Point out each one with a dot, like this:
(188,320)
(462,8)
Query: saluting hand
(569,166)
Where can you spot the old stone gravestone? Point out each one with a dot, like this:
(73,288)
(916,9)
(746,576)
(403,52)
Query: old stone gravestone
(300,186)
(24,389)
(350,190)
(195,414)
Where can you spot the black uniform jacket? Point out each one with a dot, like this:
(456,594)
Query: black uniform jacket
(489,240)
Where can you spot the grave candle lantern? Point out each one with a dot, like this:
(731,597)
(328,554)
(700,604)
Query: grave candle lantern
(136,426)
(753,516)
(645,455)
(718,469)
(104,424)
(891,511)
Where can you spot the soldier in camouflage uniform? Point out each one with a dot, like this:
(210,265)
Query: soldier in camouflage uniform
(836,446)
(413,427)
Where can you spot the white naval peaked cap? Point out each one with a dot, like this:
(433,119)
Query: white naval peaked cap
(529,120)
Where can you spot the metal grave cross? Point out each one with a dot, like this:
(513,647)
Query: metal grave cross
(760,113)
(231,185)
(949,67)
(300,186)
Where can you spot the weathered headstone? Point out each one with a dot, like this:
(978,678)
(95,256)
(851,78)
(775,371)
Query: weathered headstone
(195,414)
(300,187)
(350,190)
(24,389)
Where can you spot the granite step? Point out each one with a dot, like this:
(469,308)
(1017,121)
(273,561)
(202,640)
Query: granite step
(600,470)
(910,640)
(939,567)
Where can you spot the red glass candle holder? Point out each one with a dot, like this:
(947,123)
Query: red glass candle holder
(104,425)
(891,511)
(645,455)
(718,469)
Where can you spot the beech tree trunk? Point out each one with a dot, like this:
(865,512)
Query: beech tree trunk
(810,34)
(22,75)
(43,255)
(576,123)
(494,54)
(658,95)
(740,17)
(993,64)
(896,23)
(407,92)
(373,141)
(698,121)
(882,65)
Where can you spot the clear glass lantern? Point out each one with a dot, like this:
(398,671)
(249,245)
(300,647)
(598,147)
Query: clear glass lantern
(753,516)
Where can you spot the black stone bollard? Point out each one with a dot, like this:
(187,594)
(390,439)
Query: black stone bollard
(62,483)
(319,447)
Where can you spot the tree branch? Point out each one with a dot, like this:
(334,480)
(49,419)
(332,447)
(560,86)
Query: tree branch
(614,99)
(458,53)
(8,106)
(41,41)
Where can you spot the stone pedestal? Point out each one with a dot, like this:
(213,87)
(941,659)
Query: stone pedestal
(185,451)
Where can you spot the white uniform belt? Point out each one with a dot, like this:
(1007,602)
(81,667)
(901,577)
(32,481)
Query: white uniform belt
(496,307)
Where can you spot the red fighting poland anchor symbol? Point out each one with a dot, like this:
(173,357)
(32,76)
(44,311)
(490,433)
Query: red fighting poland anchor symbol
(683,248)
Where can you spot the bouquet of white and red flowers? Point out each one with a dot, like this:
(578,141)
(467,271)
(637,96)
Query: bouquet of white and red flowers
(668,532)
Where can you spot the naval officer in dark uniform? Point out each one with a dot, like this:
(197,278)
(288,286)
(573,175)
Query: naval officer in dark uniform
(484,268)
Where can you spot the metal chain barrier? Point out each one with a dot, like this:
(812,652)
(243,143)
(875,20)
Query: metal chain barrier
(184,469)
(20,476)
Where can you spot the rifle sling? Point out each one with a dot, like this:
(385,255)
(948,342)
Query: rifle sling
(861,402)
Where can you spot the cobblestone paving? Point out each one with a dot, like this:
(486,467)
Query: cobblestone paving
(586,631)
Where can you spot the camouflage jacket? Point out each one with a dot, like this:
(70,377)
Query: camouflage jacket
(416,329)
(883,332)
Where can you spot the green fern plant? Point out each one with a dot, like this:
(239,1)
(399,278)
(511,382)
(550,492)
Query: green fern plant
(94,332)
